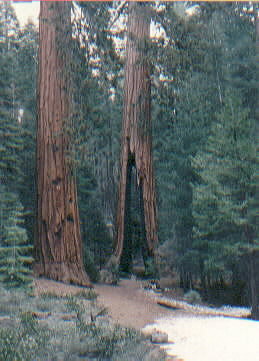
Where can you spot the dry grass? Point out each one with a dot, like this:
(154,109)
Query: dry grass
(62,324)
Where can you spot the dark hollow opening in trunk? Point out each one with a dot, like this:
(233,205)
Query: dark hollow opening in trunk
(135,250)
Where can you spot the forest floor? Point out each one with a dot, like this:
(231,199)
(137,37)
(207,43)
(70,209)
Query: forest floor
(56,322)
(193,335)
(128,303)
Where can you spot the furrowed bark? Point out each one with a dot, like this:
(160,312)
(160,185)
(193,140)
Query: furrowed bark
(136,133)
(58,244)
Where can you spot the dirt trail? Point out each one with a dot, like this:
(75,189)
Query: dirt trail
(128,303)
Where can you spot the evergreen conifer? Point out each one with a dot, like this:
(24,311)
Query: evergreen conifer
(221,198)
(15,251)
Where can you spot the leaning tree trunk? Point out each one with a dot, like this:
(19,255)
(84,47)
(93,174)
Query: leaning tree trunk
(58,244)
(254,258)
(136,134)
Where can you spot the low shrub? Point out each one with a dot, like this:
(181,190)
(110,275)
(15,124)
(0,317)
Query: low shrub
(151,270)
(111,273)
(192,297)
(75,328)
(24,342)
(87,295)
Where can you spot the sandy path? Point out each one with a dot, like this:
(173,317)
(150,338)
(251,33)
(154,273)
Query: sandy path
(129,305)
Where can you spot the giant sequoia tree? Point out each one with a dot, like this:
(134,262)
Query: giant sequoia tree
(136,151)
(58,240)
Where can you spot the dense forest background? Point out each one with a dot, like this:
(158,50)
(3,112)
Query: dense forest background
(205,140)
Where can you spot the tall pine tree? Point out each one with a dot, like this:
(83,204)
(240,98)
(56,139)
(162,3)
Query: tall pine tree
(15,251)
(222,196)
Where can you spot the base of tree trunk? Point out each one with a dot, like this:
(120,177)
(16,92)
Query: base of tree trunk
(63,272)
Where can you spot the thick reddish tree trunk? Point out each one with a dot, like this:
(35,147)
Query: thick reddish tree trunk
(136,134)
(58,244)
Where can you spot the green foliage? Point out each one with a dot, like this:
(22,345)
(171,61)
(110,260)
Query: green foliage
(15,252)
(75,329)
(24,341)
(151,270)
(205,57)
(192,297)
(10,131)
(96,124)
(88,295)
(90,263)
(184,110)
(221,197)
(26,99)
(110,274)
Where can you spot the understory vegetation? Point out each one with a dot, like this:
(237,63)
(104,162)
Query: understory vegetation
(70,328)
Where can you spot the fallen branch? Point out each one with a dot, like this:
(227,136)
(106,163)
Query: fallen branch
(225,311)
